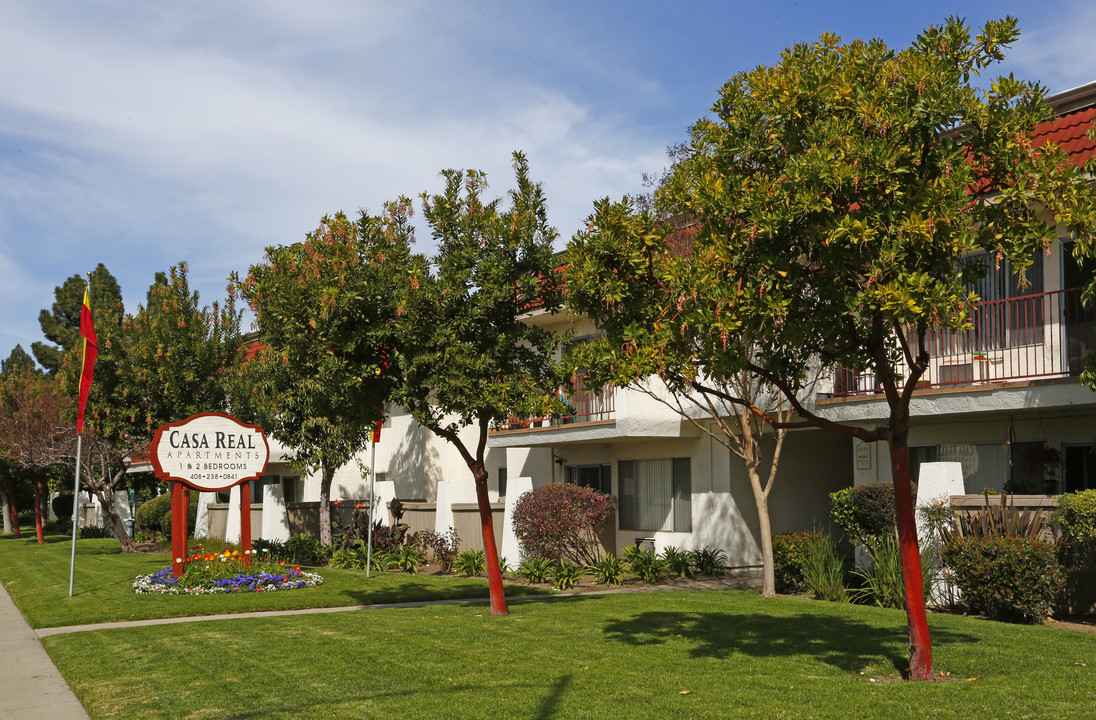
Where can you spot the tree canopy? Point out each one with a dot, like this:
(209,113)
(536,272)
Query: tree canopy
(61,323)
(835,194)
(326,310)
(170,360)
(467,355)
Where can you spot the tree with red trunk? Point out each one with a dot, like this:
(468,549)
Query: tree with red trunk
(34,422)
(467,357)
(837,193)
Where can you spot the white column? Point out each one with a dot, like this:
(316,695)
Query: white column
(232,528)
(936,482)
(201,524)
(515,487)
(443,517)
(275,514)
(98,510)
(121,504)
(384,492)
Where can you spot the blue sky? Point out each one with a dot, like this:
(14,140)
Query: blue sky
(140,134)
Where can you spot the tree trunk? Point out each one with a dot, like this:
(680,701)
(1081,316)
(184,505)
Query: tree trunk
(38,512)
(494,573)
(106,502)
(916,613)
(12,516)
(325,504)
(768,580)
(5,508)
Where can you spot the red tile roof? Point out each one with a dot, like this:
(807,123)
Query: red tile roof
(1070,132)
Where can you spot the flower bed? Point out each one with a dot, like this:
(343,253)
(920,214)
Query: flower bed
(225,573)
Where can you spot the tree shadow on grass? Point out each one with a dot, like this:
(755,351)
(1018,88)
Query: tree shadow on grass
(847,644)
(410,591)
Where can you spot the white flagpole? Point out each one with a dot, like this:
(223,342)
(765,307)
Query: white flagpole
(372,498)
(75,515)
(79,448)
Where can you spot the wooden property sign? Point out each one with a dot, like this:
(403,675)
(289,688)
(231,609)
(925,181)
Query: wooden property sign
(208,452)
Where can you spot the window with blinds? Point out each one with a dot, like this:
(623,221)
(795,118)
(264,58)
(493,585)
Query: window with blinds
(656,495)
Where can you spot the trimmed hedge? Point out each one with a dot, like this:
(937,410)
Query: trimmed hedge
(1006,577)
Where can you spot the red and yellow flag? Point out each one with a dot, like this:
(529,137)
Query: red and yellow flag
(377,431)
(91,349)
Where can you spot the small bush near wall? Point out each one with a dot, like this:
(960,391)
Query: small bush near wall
(789,558)
(155,515)
(1006,577)
(1076,518)
(865,512)
(558,521)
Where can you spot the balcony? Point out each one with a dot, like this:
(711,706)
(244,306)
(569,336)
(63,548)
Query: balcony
(585,405)
(1045,335)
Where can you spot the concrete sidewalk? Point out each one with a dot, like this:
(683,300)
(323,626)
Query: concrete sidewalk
(31,687)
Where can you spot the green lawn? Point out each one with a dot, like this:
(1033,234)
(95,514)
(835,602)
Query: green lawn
(36,576)
(713,654)
(697,654)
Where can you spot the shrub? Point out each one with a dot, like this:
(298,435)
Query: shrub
(408,558)
(307,550)
(62,507)
(789,559)
(881,578)
(444,546)
(824,569)
(471,562)
(609,570)
(566,575)
(155,514)
(709,561)
(865,512)
(647,565)
(560,521)
(1006,577)
(93,532)
(1076,518)
(678,562)
(535,570)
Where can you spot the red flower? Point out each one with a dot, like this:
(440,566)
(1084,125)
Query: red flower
(336,502)
(298,568)
(282,562)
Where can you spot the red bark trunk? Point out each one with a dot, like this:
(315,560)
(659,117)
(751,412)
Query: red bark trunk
(916,613)
(38,514)
(178,529)
(494,574)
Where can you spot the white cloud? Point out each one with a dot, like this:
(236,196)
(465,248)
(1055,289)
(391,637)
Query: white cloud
(1057,48)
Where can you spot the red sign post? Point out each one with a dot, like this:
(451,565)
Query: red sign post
(208,452)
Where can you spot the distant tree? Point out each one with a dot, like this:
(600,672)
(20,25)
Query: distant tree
(834,196)
(326,310)
(466,355)
(34,422)
(164,364)
(61,324)
(17,361)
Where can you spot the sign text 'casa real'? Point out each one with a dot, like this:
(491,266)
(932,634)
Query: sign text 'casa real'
(210,451)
